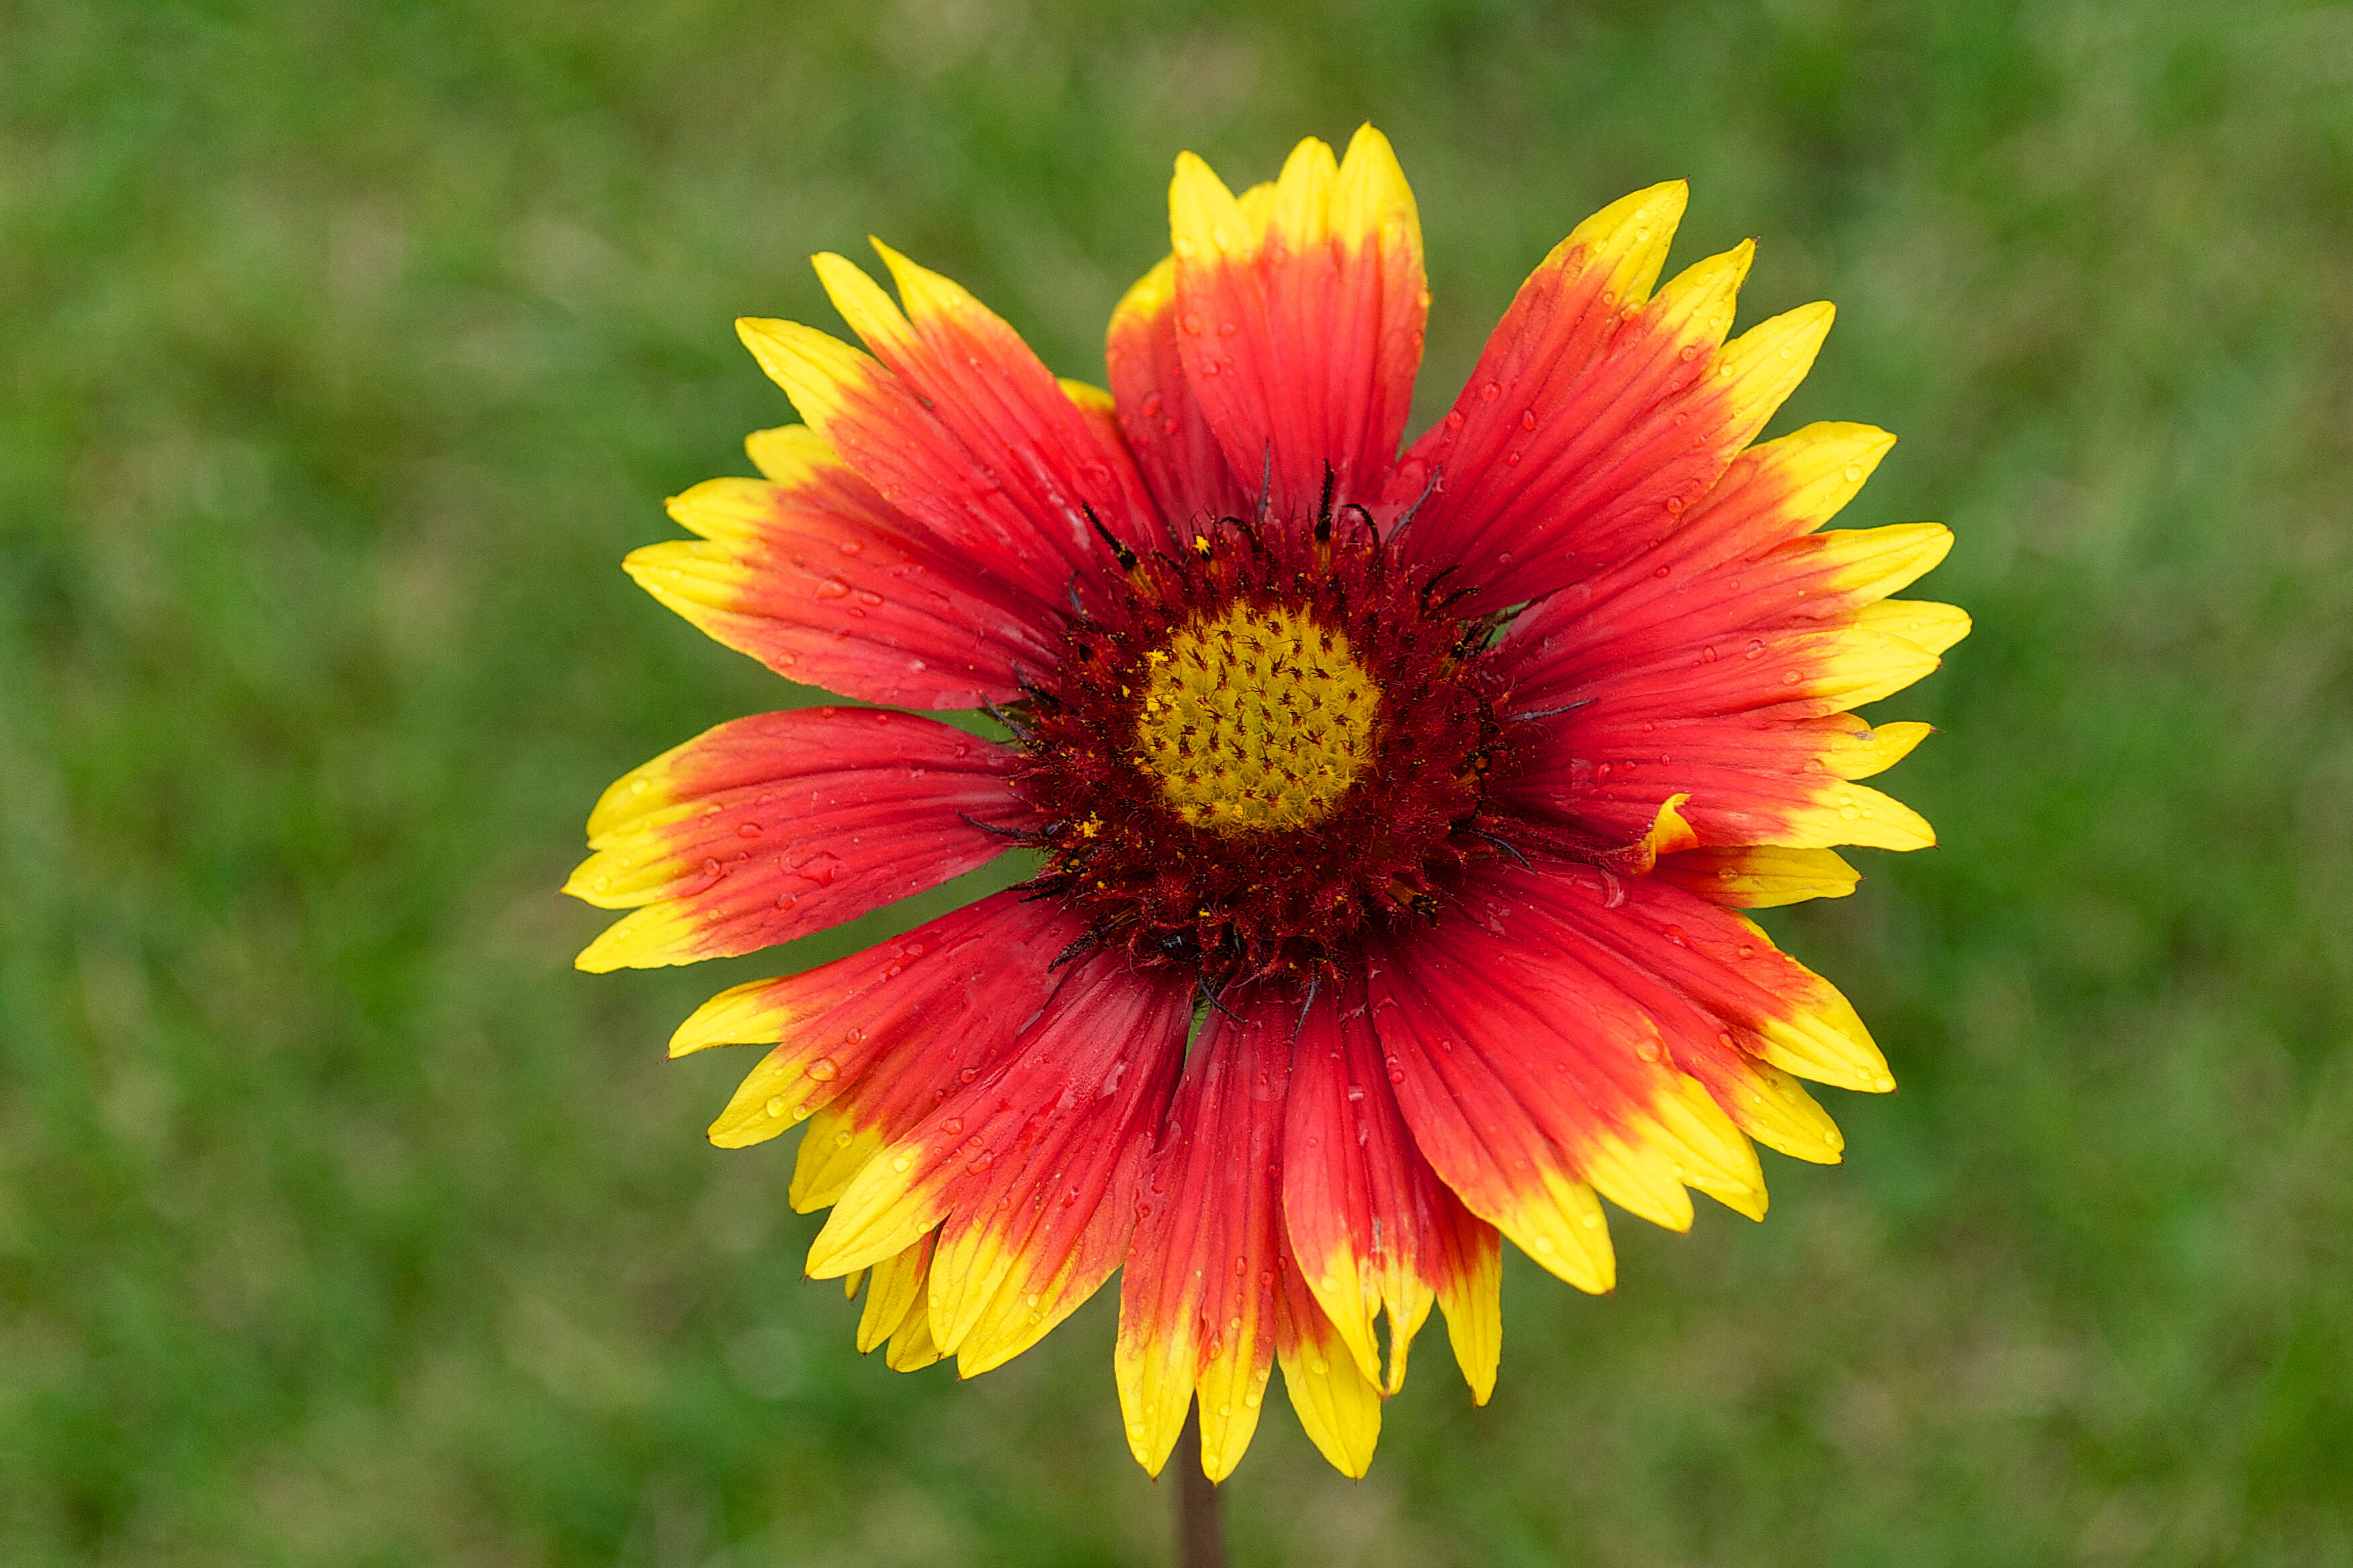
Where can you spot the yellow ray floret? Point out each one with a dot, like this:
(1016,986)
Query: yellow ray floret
(1232,1391)
(1855,814)
(1696,305)
(832,1151)
(1871,562)
(1761,367)
(1337,1407)
(773,1096)
(898,1285)
(1776,1110)
(1935,627)
(1855,665)
(817,371)
(745,1015)
(1626,241)
(881,1212)
(788,454)
(1561,1227)
(1818,468)
(1370,198)
(1865,749)
(1762,877)
(1155,1373)
(1817,1032)
(1473,1304)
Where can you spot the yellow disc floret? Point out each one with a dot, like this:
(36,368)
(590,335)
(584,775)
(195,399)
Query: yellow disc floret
(1257,721)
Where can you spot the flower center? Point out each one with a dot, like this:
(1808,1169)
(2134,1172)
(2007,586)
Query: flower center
(1260,719)
(1255,749)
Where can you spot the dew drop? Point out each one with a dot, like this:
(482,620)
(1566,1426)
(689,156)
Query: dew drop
(901,1163)
(775,1105)
(833,588)
(825,1069)
(1491,391)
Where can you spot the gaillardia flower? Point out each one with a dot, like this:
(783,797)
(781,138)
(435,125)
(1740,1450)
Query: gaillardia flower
(1391,808)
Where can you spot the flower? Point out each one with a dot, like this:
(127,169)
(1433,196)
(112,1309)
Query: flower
(1393,809)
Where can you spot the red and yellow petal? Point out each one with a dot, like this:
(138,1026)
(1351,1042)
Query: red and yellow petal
(1596,415)
(1176,450)
(1375,1230)
(961,498)
(1531,1080)
(1668,950)
(1210,1293)
(813,573)
(1299,319)
(1027,1170)
(770,827)
(1024,434)
(1757,877)
(922,1004)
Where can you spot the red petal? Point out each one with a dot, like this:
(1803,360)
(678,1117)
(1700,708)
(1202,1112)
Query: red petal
(773,826)
(813,575)
(1663,948)
(1174,446)
(1199,1286)
(973,502)
(1028,1169)
(883,1033)
(1300,318)
(1594,418)
(1003,408)
(1373,1224)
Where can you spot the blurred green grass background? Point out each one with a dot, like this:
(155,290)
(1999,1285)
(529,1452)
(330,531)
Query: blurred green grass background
(345,347)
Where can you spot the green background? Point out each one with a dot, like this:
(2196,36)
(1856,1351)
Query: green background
(346,349)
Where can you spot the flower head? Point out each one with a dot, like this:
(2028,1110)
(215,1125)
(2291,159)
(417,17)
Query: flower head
(1394,807)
